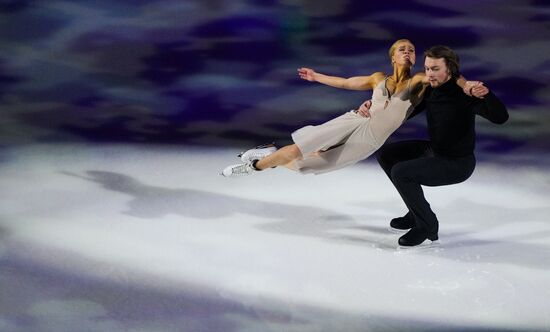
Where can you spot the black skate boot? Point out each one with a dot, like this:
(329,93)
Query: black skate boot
(402,224)
(417,237)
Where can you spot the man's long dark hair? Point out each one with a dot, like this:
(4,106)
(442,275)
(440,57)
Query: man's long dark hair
(451,58)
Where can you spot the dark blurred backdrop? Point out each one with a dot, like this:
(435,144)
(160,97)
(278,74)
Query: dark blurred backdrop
(223,73)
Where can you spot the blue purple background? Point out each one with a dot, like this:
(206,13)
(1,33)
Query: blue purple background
(223,73)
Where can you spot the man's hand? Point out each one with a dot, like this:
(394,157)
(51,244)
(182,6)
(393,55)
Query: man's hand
(480,91)
(307,74)
(364,109)
(475,89)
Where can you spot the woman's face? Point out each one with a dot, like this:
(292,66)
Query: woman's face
(404,54)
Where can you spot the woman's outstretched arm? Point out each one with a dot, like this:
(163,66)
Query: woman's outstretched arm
(352,83)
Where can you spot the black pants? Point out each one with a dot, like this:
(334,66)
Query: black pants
(411,164)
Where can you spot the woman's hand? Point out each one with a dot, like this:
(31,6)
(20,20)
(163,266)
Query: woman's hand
(307,74)
(364,109)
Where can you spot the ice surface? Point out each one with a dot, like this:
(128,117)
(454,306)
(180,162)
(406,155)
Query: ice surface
(150,238)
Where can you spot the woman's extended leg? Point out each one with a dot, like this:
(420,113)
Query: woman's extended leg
(285,156)
(281,157)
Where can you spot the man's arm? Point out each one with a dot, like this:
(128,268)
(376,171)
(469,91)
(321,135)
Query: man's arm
(364,109)
(417,109)
(491,108)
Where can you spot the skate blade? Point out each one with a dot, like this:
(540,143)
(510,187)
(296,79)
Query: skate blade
(262,146)
(427,244)
(397,230)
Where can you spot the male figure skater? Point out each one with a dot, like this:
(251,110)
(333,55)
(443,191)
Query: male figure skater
(448,156)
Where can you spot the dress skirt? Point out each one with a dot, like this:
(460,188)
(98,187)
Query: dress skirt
(335,144)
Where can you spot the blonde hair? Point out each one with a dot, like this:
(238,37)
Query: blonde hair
(394,46)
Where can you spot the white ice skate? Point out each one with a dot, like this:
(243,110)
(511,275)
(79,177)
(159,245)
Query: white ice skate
(238,170)
(257,153)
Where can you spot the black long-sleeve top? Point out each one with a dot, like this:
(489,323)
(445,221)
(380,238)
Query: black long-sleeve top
(451,117)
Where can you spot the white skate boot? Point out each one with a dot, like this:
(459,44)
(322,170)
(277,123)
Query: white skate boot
(238,170)
(257,153)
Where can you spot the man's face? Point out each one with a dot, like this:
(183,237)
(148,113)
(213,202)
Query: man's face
(436,71)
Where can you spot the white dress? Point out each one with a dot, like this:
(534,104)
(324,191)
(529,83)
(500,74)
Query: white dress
(349,138)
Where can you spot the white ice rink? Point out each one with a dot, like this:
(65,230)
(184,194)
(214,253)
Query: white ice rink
(148,238)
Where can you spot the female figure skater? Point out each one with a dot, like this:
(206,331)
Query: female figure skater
(350,137)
